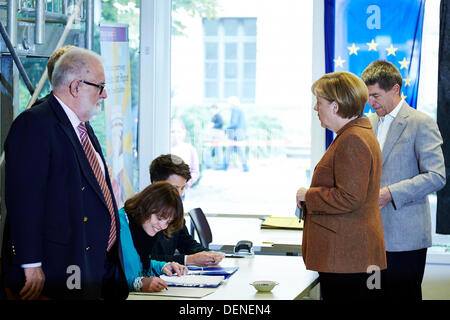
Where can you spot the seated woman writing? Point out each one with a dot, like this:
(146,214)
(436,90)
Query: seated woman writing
(157,208)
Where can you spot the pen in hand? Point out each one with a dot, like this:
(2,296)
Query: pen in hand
(157,276)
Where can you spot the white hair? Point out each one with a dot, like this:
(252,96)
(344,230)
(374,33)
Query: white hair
(72,65)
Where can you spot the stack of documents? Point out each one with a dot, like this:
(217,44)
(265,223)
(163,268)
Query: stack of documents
(226,272)
(282,223)
(190,280)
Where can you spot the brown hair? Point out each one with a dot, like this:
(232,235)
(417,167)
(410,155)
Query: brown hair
(384,73)
(348,90)
(166,165)
(159,198)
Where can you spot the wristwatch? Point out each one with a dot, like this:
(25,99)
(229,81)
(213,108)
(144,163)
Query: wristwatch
(137,284)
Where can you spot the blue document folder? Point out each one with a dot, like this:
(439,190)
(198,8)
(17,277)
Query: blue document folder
(193,280)
(226,272)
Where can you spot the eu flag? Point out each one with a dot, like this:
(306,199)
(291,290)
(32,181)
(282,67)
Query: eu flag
(358,32)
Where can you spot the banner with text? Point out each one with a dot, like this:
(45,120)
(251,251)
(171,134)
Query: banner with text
(118,118)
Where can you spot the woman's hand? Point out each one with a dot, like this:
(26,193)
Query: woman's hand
(153,284)
(171,268)
(301,195)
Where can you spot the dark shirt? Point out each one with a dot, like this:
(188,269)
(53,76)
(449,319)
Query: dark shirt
(218,121)
(176,247)
(142,242)
(161,247)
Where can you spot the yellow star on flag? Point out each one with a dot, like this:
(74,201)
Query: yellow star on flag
(367,114)
(339,62)
(353,49)
(407,81)
(404,64)
(403,96)
(391,50)
(372,45)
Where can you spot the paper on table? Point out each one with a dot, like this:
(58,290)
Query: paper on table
(176,292)
(193,280)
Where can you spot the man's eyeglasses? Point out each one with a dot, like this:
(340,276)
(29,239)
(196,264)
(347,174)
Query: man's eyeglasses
(100,86)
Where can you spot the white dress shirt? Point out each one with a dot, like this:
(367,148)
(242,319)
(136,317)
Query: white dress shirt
(384,123)
(73,118)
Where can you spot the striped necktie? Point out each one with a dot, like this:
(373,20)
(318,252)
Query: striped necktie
(92,157)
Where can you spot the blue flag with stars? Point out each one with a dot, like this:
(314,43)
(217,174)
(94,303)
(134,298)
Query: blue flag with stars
(358,32)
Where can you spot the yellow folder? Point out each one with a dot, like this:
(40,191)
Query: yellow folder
(282,223)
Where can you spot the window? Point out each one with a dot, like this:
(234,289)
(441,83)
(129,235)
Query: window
(230,58)
(259,53)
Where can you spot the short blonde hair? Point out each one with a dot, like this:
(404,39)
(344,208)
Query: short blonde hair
(346,89)
(54,57)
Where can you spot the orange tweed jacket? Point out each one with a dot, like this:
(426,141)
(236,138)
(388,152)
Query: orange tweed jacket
(343,231)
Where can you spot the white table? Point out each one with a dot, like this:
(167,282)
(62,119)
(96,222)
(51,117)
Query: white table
(227,231)
(289,271)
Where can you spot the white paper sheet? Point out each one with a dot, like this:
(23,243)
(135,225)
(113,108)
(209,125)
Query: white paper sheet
(184,292)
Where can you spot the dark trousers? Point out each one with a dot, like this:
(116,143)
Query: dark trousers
(347,286)
(403,278)
(114,285)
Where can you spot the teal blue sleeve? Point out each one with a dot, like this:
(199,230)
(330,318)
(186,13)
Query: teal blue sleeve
(131,261)
(157,266)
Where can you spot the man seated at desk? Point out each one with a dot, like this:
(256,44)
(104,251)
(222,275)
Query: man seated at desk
(174,170)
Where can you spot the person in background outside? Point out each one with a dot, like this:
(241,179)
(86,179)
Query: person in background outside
(217,136)
(237,133)
(186,151)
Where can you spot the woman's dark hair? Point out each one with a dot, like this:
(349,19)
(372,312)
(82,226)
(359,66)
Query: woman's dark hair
(159,198)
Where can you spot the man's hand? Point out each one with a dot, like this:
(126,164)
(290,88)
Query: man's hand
(385,197)
(204,258)
(34,283)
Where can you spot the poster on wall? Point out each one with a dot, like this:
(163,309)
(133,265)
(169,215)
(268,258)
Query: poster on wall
(118,117)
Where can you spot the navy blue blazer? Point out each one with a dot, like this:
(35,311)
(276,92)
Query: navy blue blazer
(56,212)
